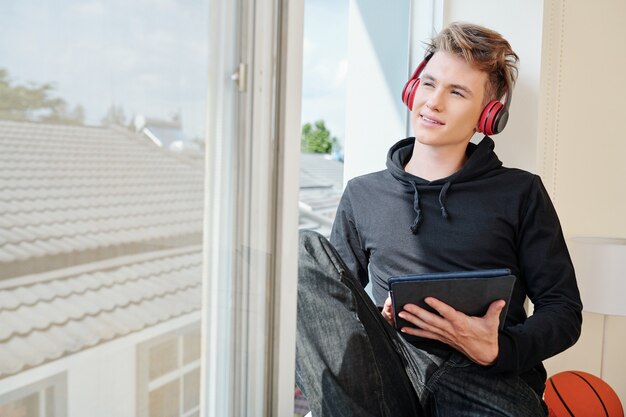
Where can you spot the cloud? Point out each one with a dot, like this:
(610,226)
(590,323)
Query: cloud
(150,58)
(342,72)
(308,46)
(87,9)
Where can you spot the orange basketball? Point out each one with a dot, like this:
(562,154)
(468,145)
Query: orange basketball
(579,394)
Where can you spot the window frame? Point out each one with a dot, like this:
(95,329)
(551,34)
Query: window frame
(57,382)
(250,280)
(145,385)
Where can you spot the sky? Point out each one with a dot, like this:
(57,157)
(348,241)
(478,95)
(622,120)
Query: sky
(150,56)
(325,63)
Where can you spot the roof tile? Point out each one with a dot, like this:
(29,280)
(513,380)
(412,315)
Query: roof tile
(88,188)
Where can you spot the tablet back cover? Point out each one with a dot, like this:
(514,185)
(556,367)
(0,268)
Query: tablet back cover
(470,292)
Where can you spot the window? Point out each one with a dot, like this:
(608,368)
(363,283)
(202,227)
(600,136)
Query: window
(324,70)
(168,380)
(105,205)
(103,109)
(46,398)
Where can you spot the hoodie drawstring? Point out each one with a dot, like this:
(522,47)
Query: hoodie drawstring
(418,211)
(442,200)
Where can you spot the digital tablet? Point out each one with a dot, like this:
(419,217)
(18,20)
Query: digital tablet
(470,292)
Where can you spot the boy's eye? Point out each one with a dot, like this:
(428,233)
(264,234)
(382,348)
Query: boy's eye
(428,83)
(458,93)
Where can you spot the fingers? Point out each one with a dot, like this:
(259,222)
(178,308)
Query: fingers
(442,308)
(387,312)
(495,308)
(449,313)
(446,313)
(493,313)
(422,328)
(476,337)
(425,320)
(388,315)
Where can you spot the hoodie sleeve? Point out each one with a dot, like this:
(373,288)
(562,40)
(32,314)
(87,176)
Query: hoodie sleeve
(345,238)
(548,276)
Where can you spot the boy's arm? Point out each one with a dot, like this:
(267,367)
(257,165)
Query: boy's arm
(345,238)
(548,276)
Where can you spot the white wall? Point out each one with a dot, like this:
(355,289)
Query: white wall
(581,152)
(520,22)
(104,387)
(377,71)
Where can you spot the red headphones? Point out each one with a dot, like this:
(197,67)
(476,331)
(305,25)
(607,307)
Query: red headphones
(493,118)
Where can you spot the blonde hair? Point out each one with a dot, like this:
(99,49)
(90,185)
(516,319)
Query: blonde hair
(484,49)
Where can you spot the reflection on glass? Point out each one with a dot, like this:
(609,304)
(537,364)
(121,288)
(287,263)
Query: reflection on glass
(25,407)
(49,402)
(161,367)
(191,383)
(164,401)
(163,358)
(191,347)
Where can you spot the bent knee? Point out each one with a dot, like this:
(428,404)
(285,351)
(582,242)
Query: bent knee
(316,255)
(311,241)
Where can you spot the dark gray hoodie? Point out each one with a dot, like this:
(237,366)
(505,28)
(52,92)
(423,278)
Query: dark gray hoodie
(483,216)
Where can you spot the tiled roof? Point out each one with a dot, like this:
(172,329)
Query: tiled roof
(51,319)
(320,191)
(319,170)
(68,190)
(86,219)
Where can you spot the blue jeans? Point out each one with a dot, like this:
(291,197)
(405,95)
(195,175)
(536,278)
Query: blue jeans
(351,362)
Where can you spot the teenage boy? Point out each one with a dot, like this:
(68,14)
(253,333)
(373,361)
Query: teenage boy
(443,204)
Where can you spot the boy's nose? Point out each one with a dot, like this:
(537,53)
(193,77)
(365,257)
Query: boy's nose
(434,101)
(433,104)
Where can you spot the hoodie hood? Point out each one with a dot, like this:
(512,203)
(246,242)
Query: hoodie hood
(480,159)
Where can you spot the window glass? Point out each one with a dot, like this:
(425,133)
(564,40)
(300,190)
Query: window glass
(163,358)
(191,347)
(25,407)
(323,112)
(44,398)
(103,111)
(324,71)
(50,402)
(160,367)
(164,401)
(191,383)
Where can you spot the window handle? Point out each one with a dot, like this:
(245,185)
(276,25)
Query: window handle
(239,76)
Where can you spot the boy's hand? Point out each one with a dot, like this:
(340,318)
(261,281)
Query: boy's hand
(387,312)
(476,337)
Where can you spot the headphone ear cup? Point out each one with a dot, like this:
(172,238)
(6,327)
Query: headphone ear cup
(408,95)
(493,118)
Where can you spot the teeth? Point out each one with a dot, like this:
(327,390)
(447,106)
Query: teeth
(430,120)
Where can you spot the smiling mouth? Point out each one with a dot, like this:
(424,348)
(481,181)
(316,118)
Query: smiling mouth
(430,120)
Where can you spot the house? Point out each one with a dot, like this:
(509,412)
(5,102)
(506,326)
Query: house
(101,269)
(167,134)
(100,272)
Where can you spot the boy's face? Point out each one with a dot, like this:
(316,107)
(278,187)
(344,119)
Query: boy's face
(448,101)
